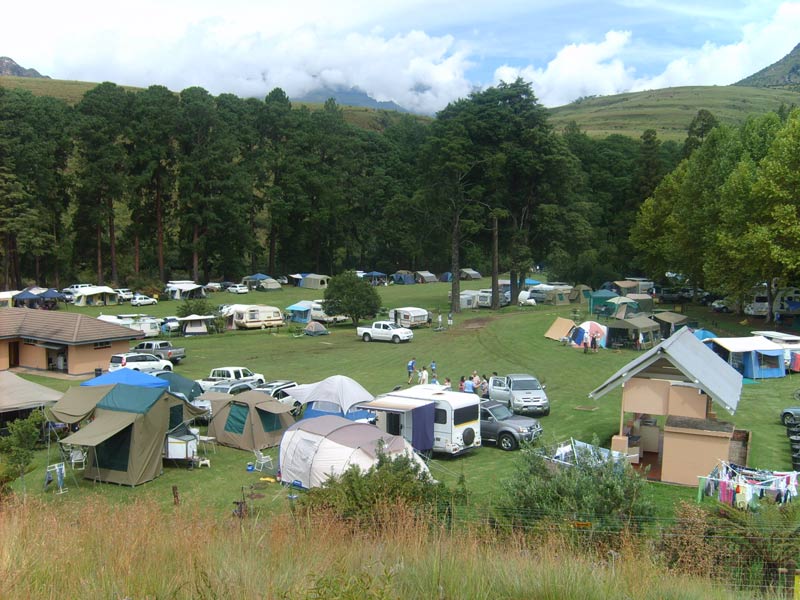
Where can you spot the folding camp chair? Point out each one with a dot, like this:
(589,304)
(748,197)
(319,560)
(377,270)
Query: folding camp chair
(262,460)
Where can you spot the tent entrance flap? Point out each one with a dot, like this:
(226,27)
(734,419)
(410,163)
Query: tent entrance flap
(237,417)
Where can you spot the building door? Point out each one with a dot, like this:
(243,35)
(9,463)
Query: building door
(393,423)
(13,354)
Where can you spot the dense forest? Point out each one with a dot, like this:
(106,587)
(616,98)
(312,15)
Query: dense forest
(133,187)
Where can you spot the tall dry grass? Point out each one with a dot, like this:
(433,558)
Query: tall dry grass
(98,550)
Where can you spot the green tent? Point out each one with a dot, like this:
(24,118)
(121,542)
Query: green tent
(249,421)
(128,431)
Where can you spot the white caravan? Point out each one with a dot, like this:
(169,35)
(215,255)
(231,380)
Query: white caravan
(409,316)
(430,418)
(150,326)
(257,316)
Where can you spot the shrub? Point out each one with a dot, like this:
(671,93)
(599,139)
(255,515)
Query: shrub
(17,448)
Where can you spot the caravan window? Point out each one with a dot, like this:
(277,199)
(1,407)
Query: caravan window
(252,315)
(440,416)
(465,414)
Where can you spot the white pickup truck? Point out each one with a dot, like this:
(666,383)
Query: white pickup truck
(385,331)
(230,373)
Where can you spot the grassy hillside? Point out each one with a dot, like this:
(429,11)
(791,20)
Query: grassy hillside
(668,111)
(783,74)
(72,92)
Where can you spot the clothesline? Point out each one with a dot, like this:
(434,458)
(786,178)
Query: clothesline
(744,487)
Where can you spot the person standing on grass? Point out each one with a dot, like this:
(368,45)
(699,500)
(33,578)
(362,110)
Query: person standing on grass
(449,320)
(439,321)
(423,376)
(448,385)
(594,342)
(469,387)
(433,367)
(411,367)
(461,384)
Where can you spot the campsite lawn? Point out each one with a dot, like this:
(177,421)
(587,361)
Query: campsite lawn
(510,340)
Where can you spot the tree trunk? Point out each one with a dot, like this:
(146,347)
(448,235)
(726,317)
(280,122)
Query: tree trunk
(455,265)
(495,266)
(195,256)
(273,245)
(159,232)
(99,233)
(112,241)
(136,254)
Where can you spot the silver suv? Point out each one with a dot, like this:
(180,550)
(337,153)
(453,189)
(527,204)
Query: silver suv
(500,425)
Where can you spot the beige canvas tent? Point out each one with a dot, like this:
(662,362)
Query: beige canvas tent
(580,294)
(249,421)
(314,282)
(127,435)
(560,329)
(96,295)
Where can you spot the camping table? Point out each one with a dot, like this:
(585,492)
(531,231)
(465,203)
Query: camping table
(204,439)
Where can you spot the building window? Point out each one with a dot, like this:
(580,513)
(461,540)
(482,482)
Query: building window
(102,345)
(28,342)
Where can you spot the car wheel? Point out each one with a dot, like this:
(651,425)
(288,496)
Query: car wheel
(168,367)
(546,413)
(259,381)
(366,337)
(507,442)
(396,339)
(788,419)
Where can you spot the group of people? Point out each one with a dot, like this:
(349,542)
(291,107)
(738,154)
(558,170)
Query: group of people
(474,384)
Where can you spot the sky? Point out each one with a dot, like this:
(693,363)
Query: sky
(419,54)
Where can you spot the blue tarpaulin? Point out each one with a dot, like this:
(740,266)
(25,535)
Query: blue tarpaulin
(129,377)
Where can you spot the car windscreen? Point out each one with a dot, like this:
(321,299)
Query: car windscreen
(501,413)
(525,384)
(465,414)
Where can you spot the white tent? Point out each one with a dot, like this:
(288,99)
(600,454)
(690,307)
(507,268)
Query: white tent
(314,449)
(184,289)
(337,389)
(95,295)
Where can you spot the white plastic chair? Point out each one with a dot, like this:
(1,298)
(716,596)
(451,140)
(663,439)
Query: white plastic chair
(262,460)
(77,456)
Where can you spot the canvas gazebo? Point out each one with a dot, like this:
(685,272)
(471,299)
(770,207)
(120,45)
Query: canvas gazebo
(127,434)
(249,421)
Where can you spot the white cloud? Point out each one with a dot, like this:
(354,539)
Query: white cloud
(598,68)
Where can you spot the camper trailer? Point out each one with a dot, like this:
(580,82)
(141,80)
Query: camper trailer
(257,316)
(150,326)
(485,298)
(430,418)
(409,316)
(643,285)
(787,302)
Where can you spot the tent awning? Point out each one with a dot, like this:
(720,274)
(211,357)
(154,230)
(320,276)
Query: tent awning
(78,402)
(746,344)
(105,425)
(671,317)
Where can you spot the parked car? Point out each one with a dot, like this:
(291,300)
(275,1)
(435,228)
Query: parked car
(170,324)
(500,425)
(671,296)
(221,374)
(231,387)
(238,288)
(213,286)
(385,331)
(280,390)
(162,349)
(790,416)
(720,306)
(142,300)
(139,361)
(520,392)
(124,294)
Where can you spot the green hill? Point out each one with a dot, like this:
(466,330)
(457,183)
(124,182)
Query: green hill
(669,111)
(783,74)
(72,92)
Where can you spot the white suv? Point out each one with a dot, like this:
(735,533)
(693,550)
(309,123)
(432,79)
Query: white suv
(124,294)
(139,361)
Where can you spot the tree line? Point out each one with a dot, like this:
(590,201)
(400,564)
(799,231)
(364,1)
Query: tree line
(728,216)
(130,187)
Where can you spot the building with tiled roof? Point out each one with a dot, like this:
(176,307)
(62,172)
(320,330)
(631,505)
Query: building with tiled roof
(59,341)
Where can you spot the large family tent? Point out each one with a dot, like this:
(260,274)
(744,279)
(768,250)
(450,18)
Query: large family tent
(313,281)
(403,277)
(446,277)
(248,421)
(268,285)
(670,322)
(425,277)
(95,295)
(336,395)
(127,435)
(645,301)
(754,357)
(560,329)
(580,294)
(196,324)
(252,281)
(313,450)
(587,330)
(467,273)
(599,298)
(637,332)
(299,312)
(184,290)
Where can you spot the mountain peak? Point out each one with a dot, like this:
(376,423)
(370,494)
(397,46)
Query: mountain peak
(783,74)
(9,67)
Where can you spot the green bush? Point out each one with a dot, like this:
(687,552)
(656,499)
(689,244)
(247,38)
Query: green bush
(361,497)
(606,496)
(347,294)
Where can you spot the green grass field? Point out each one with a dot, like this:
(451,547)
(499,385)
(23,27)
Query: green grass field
(510,340)
(669,111)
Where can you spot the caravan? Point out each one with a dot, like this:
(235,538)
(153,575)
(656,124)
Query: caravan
(150,326)
(257,316)
(430,418)
(409,316)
